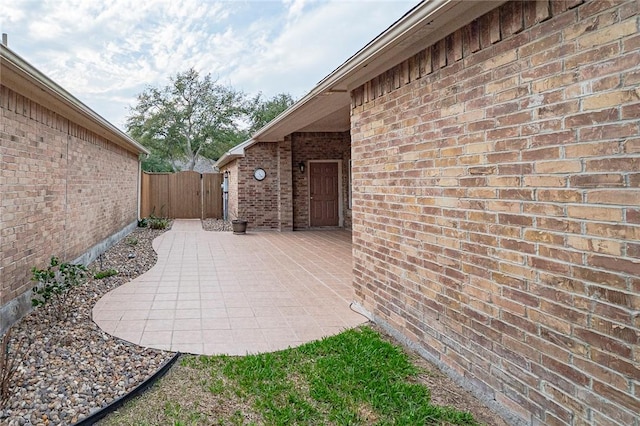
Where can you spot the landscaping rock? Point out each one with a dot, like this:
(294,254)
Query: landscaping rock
(216,225)
(72,368)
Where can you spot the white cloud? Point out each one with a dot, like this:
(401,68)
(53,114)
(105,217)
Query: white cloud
(11,12)
(295,8)
(105,53)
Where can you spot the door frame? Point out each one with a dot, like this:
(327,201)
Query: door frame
(340,190)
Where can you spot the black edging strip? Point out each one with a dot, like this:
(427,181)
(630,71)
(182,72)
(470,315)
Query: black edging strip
(137,391)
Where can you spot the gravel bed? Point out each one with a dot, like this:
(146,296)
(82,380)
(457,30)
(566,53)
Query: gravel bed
(72,368)
(216,225)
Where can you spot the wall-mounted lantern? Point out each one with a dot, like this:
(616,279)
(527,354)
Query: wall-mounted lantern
(301,166)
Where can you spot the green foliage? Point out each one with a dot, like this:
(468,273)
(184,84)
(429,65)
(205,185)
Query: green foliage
(157,222)
(104,274)
(132,241)
(142,223)
(54,283)
(261,112)
(192,116)
(156,164)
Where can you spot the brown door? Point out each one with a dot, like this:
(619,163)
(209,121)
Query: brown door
(323,193)
(211,195)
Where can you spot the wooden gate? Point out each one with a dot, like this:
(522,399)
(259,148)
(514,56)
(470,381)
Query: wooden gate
(183,195)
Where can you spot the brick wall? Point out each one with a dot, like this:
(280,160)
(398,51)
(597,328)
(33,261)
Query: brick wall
(285,176)
(497,207)
(280,201)
(258,200)
(318,146)
(63,190)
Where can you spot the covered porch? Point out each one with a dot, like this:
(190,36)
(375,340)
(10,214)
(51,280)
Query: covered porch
(295,174)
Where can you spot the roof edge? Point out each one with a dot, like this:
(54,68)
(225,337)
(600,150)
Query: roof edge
(420,13)
(234,153)
(62,95)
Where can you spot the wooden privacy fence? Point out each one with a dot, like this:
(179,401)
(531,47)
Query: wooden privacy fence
(183,195)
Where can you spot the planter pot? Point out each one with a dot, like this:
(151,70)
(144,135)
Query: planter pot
(239,226)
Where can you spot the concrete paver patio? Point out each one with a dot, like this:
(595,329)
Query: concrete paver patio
(219,293)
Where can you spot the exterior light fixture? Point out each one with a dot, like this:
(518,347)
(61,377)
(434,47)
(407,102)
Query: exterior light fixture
(301,166)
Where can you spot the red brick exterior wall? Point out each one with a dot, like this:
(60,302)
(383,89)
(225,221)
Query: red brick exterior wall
(280,201)
(256,200)
(497,207)
(318,146)
(63,189)
(285,173)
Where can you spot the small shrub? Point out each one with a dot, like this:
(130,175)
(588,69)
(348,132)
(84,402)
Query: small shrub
(54,283)
(157,222)
(132,241)
(142,223)
(104,274)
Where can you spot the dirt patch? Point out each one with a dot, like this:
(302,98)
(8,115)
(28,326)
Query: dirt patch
(189,396)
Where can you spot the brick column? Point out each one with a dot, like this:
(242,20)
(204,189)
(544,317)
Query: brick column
(285,190)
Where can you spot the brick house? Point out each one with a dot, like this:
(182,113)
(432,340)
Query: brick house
(495,181)
(69,180)
(297,170)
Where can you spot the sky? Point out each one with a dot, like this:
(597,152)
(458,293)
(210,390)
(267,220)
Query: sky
(105,53)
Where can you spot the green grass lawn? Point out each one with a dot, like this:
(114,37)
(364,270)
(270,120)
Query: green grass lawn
(354,378)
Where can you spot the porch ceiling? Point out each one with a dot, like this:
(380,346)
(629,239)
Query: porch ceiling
(336,121)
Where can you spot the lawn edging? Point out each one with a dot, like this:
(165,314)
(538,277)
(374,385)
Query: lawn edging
(137,391)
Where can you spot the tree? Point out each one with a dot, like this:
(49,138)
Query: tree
(156,164)
(262,112)
(189,118)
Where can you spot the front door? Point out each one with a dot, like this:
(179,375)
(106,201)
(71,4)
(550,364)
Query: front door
(323,193)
